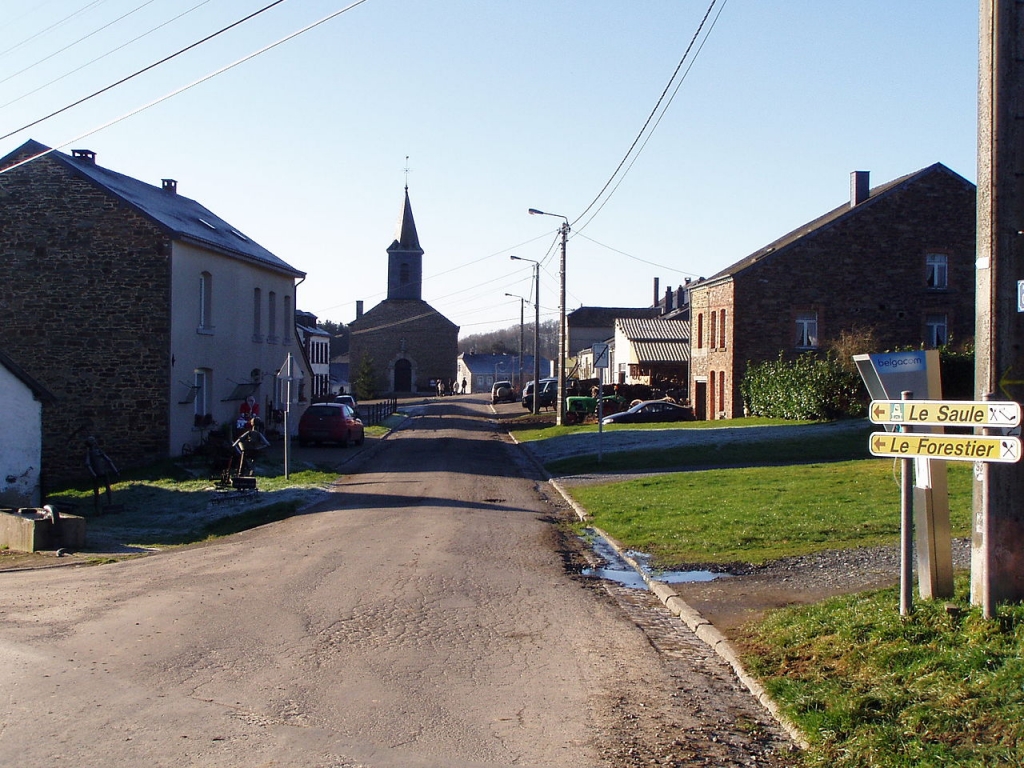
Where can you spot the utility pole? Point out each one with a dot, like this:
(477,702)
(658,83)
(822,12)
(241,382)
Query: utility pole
(997,546)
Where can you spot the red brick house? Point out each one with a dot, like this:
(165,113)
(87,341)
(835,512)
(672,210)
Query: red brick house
(897,260)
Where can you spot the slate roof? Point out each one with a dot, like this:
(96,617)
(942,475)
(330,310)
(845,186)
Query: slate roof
(406,237)
(598,317)
(180,216)
(834,216)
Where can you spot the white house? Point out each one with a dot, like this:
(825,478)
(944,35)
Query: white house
(21,441)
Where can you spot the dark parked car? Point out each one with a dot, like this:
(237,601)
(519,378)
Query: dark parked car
(651,410)
(330,423)
(547,397)
(503,392)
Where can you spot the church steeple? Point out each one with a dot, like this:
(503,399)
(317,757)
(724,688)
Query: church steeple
(405,258)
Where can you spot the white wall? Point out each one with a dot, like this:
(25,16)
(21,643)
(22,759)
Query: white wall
(230,349)
(21,443)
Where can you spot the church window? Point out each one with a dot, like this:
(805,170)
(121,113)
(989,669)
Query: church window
(403,274)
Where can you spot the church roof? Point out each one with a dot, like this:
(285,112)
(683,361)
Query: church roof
(406,238)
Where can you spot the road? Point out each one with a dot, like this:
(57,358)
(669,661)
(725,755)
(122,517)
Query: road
(424,615)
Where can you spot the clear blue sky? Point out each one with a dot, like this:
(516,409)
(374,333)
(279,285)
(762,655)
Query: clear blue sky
(501,106)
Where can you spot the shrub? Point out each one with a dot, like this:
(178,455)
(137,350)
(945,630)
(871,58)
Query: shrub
(809,387)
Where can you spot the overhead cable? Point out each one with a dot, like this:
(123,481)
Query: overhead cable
(155,64)
(184,88)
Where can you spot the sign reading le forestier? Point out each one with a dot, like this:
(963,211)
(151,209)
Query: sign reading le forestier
(904,445)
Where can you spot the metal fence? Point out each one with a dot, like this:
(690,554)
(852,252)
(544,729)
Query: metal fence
(374,413)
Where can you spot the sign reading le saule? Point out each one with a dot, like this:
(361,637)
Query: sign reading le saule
(941,413)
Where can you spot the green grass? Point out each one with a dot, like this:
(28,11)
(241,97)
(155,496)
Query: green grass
(757,514)
(943,687)
(848,444)
(526,430)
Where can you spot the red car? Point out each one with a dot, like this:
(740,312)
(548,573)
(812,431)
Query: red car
(330,423)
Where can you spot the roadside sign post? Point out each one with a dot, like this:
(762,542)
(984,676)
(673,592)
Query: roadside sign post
(981,450)
(906,531)
(600,353)
(886,377)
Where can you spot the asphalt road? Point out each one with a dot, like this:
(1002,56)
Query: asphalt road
(422,616)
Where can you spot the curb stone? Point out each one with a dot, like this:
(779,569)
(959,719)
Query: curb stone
(705,631)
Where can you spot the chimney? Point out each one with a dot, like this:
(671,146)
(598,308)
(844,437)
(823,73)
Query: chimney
(85,155)
(359,309)
(170,185)
(657,288)
(668,300)
(860,187)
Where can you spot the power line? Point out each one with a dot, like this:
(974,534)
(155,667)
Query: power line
(76,42)
(155,64)
(103,56)
(184,88)
(58,23)
(650,117)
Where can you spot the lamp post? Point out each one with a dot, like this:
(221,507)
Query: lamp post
(536,328)
(562,352)
(521,304)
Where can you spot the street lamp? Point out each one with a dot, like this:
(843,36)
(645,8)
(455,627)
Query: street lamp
(562,352)
(536,329)
(521,303)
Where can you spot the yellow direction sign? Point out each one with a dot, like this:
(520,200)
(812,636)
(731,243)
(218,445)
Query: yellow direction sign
(945,413)
(904,445)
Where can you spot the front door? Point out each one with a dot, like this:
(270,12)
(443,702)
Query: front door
(403,376)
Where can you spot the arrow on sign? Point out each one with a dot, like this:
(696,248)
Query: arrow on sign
(880,411)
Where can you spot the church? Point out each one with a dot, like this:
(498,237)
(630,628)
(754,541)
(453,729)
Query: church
(409,344)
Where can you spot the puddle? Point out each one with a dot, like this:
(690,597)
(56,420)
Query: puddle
(616,569)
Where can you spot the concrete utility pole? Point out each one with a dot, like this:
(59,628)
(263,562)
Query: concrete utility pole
(997,552)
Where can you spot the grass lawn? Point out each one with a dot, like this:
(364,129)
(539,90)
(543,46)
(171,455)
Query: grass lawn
(755,514)
(943,687)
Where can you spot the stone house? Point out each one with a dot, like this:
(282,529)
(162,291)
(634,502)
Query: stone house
(148,317)
(407,342)
(896,261)
(21,446)
(481,370)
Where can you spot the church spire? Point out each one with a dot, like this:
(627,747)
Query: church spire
(405,258)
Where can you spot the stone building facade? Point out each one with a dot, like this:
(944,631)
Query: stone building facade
(408,343)
(897,262)
(140,310)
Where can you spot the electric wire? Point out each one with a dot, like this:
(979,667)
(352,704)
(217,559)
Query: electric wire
(58,23)
(184,88)
(155,64)
(76,42)
(657,122)
(103,56)
(650,117)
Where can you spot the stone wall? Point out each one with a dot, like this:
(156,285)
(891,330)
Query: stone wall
(85,309)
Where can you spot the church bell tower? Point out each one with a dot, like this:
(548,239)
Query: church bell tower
(405,258)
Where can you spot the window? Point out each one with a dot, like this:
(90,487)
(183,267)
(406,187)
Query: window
(205,301)
(201,387)
(937,271)
(289,321)
(272,317)
(700,330)
(712,331)
(403,274)
(807,330)
(257,314)
(721,329)
(935,330)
